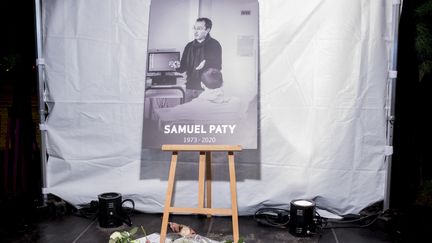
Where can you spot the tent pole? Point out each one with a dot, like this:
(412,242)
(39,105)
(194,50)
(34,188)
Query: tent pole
(41,88)
(390,102)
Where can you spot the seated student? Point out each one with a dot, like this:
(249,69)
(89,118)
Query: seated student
(211,105)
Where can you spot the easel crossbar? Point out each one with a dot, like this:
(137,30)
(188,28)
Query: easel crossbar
(212,211)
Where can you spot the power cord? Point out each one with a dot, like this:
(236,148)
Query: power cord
(280,218)
(365,221)
(275,217)
(88,210)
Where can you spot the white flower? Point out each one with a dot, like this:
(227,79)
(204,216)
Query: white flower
(115,235)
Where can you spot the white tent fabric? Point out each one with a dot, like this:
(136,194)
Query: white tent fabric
(323,71)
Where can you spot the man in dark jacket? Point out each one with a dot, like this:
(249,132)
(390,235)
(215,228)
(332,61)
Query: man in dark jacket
(200,54)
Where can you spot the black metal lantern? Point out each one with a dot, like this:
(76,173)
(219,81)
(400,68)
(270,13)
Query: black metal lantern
(302,214)
(111,213)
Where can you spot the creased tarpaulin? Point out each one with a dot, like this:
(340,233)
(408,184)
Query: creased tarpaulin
(323,69)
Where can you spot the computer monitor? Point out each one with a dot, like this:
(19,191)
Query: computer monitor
(159,62)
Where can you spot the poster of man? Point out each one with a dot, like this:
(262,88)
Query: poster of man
(202,73)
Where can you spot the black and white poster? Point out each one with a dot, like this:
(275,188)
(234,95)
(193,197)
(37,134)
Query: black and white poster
(202,73)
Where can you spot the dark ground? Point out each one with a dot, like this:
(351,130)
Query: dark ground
(64,226)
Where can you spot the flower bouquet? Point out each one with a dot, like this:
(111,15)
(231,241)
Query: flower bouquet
(126,236)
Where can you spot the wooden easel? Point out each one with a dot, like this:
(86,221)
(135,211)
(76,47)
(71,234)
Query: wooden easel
(204,175)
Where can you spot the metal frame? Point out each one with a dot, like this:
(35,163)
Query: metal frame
(41,87)
(390,99)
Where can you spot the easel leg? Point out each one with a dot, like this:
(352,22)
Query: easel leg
(202,167)
(208,182)
(169,193)
(233,196)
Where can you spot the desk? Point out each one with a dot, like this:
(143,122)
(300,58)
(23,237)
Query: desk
(164,92)
(180,82)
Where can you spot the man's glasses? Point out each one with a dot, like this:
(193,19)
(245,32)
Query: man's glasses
(199,28)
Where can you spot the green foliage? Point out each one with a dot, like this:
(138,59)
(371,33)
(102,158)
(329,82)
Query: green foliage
(241,240)
(424,9)
(125,236)
(9,62)
(424,196)
(423,40)
(133,230)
